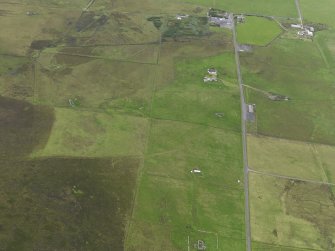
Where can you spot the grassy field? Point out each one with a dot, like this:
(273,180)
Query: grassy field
(94,134)
(284,8)
(291,213)
(284,157)
(200,101)
(257,31)
(325,41)
(173,205)
(183,204)
(318,12)
(296,69)
(95,84)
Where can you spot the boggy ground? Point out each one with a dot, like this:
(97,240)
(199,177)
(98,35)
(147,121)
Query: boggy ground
(65,203)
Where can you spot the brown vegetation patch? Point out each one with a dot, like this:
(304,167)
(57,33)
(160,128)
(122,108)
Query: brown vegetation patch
(314,203)
(66,204)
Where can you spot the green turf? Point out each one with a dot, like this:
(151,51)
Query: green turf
(284,157)
(184,203)
(257,31)
(294,214)
(318,12)
(296,69)
(201,101)
(91,134)
(325,41)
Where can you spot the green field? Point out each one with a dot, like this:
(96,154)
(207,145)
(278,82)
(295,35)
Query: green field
(291,213)
(200,102)
(284,157)
(183,204)
(296,69)
(257,31)
(318,12)
(285,8)
(95,134)
(186,134)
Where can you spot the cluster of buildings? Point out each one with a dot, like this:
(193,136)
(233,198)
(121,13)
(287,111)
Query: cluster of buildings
(220,18)
(304,30)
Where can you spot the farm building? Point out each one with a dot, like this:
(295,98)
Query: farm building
(211,76)
(181,16)
(212,71)
(297,26)
(220,18)
(305,33)
(240,18)
(250,112)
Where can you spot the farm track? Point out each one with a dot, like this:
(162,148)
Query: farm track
(297,4)
(290,177)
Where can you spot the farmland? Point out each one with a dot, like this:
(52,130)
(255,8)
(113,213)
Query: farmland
(291,213)
(121,126)
(105,115)
(291,143)
(257,31)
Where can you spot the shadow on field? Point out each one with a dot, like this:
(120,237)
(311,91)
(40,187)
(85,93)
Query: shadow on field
(24,127)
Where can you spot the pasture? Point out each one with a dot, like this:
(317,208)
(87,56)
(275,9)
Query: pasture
(295,69)
(318,12)
(182,204)
(289,213)
(285,8)
(175,207)
(257,31)
(81,133)
(285,157)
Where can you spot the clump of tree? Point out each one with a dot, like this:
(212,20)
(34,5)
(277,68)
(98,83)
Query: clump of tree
(190,26)
(157,21)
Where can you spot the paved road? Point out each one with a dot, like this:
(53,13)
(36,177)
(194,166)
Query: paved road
(244,142)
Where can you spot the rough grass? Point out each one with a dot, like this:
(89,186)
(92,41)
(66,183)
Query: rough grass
(284,157)
(20,30)
(16,78)
(96,84)
(284,8)
(91,134)
(66,204)
(291,213)
(295,69)
(257,31)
